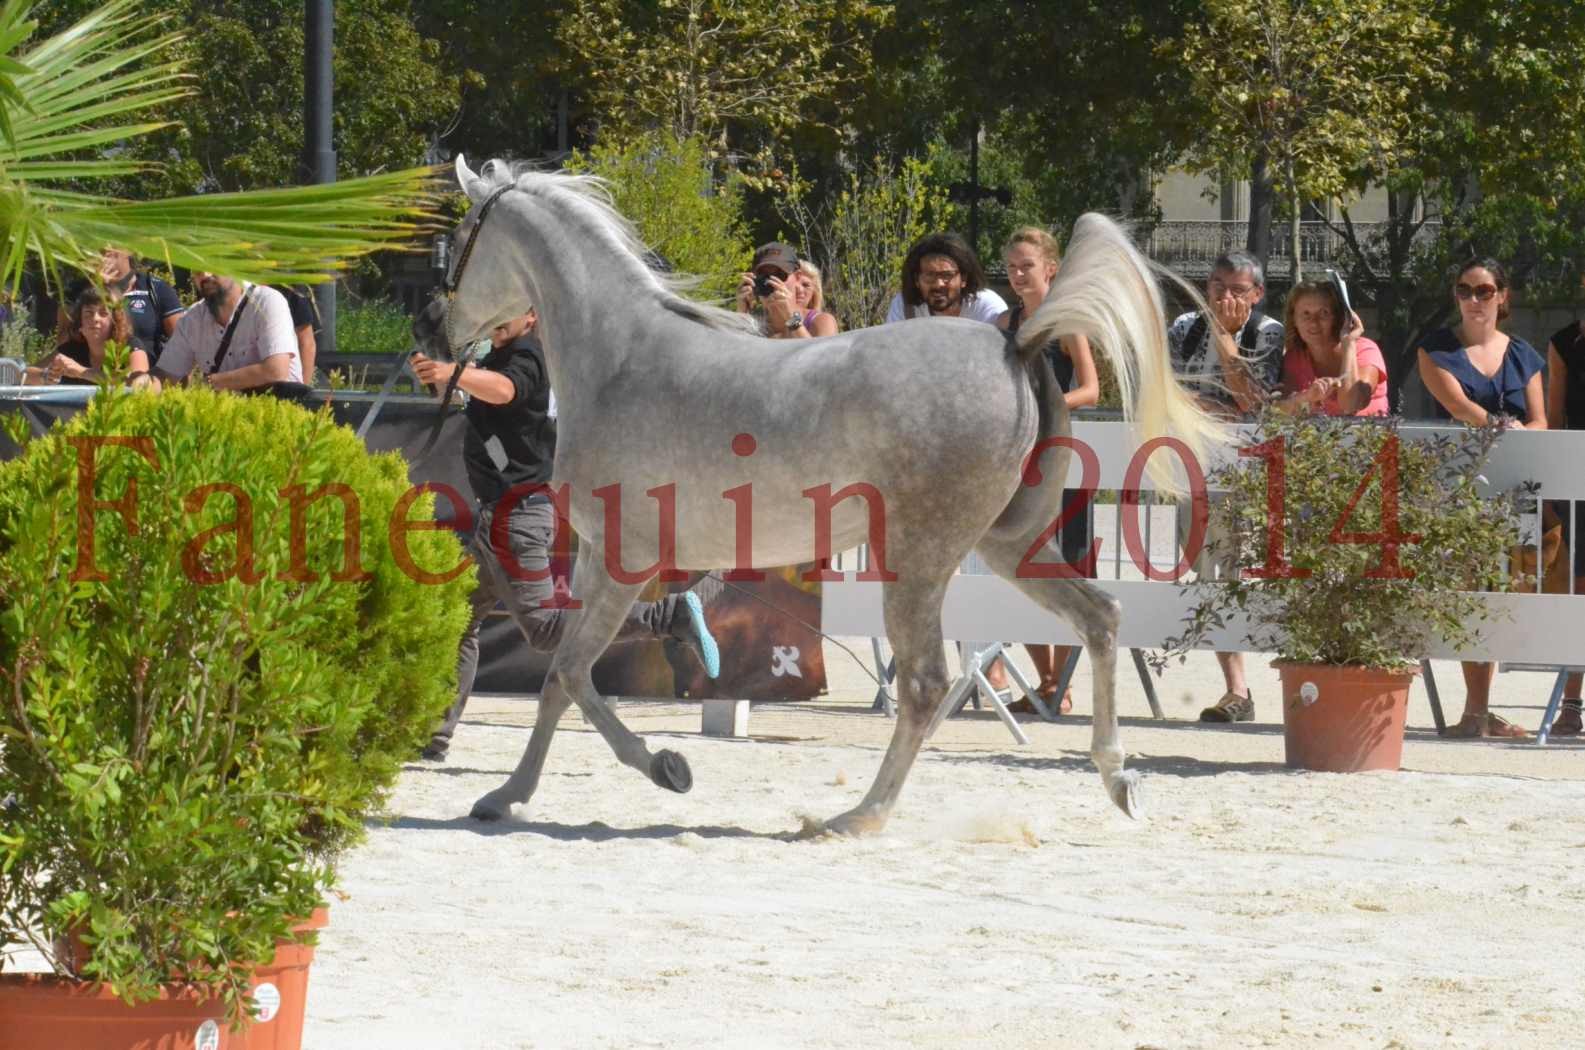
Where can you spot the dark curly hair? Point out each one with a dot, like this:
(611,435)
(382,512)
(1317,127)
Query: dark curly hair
(953,247)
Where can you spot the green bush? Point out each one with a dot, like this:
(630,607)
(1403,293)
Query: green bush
(1339,614)
(862,235)
(374,326)
(665,188)
(193,738)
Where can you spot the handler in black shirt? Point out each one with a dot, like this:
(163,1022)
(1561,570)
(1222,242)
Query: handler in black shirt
(511,443)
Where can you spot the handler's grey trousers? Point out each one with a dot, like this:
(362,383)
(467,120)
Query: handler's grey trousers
(530,531)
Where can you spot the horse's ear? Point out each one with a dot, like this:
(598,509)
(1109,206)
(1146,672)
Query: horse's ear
(469,182)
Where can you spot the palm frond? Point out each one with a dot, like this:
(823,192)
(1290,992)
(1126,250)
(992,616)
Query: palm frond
(64,109)
(298,234)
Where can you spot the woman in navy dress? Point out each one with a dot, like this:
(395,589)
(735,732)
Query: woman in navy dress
(1478,373)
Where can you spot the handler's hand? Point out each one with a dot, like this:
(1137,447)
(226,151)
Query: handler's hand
(435,373)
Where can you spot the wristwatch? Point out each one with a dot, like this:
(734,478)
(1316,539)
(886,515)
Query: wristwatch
(795,322)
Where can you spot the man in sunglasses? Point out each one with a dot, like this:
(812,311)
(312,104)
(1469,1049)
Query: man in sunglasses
(1233,362)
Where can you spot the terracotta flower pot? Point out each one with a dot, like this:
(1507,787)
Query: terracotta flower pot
(42,1010)
(1343,719)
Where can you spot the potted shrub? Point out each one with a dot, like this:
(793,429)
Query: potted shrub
(1359,548)
(208,683)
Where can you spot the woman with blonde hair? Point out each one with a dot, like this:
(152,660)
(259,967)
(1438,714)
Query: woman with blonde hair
(1033,258)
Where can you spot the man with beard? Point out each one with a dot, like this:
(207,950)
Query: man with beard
(239,336)
(942,278)
(152,306)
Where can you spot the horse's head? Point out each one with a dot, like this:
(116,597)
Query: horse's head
(485,283)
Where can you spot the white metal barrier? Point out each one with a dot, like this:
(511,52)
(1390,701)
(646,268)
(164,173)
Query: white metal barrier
(1544,629)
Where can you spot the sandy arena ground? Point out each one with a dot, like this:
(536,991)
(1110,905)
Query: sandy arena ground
(1007,905)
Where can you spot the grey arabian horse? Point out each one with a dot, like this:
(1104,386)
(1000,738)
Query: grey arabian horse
(931,422)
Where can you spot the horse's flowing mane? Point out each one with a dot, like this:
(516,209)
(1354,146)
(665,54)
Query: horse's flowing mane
(590,196)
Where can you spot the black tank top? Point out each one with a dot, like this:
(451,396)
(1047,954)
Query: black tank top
(1061,363)
(1570,346)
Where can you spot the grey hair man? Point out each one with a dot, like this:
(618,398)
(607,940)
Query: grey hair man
(1232,362)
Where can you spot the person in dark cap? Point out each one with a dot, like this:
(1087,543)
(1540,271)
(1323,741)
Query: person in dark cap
(779,289)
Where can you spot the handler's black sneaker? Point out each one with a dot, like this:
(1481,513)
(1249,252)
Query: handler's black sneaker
(434,751)
(1231,708)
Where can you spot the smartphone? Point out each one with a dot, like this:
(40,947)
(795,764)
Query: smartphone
(1340,286)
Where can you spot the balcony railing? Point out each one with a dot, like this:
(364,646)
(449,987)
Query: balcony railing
(1191,247)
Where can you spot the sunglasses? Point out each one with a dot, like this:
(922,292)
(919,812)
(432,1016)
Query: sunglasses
(1481,293)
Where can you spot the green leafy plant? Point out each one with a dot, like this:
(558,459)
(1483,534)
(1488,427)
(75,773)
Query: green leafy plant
(663,184)
(374,326)
(203,700)
(862,235)
(1337,530)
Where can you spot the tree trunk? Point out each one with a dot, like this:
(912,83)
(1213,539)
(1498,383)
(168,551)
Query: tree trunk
(1296,271)
(1261,193)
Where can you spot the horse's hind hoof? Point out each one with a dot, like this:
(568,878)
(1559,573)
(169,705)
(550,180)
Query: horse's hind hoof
(670,770)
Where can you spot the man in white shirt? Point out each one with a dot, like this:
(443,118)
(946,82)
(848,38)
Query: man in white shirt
(261,348)
(942,278)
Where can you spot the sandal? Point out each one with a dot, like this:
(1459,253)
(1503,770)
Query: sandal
(1568,721)
(1473,727)
(1047,691)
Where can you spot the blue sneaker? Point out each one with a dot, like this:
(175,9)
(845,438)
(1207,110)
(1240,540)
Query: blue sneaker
(697,634)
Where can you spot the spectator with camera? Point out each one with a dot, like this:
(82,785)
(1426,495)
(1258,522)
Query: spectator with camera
(785,296)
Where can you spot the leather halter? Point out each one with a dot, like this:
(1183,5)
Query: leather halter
(454,282)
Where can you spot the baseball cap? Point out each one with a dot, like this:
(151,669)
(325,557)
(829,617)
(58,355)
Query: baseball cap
(776,254)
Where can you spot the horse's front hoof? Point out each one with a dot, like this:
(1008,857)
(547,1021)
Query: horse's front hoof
(491,807)
(670,770)
(852,824)
(1124,789)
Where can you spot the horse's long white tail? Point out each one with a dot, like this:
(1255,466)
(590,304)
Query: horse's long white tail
(1107,291)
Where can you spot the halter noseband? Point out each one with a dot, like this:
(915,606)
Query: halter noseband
(453,282)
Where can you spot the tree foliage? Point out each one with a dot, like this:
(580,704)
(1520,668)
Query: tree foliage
(861,235)
(664,186)
(739,75)
(1328,91)
(1078,92)
(241,127)
(1492,166)
(75,108)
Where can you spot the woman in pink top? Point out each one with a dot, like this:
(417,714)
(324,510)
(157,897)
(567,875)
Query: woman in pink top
(1329,366)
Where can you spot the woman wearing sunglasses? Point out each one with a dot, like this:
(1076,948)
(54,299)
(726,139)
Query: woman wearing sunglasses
(1477,373)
